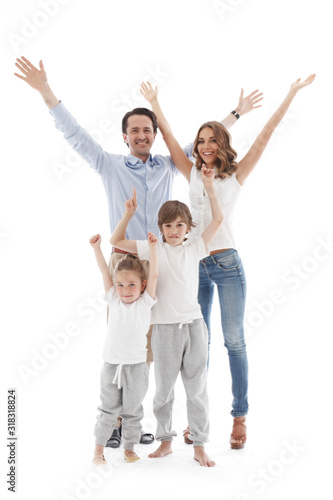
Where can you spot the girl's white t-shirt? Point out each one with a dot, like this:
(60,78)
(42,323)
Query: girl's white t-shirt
(178,279)
(127,329)
(228,191)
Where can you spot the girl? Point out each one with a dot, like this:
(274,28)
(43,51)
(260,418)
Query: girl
(223,267)
(124,376)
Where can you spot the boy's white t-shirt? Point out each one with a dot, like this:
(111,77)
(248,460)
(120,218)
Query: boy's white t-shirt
(178,279)
(127,328)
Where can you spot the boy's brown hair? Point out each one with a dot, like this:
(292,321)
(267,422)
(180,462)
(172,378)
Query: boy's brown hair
(172,209)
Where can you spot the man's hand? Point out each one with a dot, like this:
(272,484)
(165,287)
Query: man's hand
(35,78)
(148,92)
(248,103)
(152,240)
(95,241)
(131,205)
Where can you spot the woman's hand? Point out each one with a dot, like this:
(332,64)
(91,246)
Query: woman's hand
(248,103)
(131,205)
(148,92)
(298,85)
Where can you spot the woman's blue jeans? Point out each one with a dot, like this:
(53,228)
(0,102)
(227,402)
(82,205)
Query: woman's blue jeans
(225,269)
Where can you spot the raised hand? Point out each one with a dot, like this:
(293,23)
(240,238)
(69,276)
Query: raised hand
(207,175)
(250,102)
(296,86)
(131,205)
(95,241)
(148,92)
(152,240)
(31,75)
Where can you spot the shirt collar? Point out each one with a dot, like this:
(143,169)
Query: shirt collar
(134,160)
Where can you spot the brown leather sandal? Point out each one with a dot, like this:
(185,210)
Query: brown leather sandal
(99,460)
(186,434)
(130,456)
(239,433)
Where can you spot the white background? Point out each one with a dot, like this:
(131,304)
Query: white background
(96,54)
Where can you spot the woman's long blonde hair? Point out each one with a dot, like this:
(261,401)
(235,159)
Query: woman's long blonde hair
(226,157)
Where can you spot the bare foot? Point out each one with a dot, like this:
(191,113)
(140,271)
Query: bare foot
(130,456)
(163,450)
(201,456)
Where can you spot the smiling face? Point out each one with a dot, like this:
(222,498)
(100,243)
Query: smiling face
(128,286)
(139,136)
(174,232)
(207,146)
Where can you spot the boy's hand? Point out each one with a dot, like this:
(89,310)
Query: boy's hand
(207,175)
(148,92)
(95,241)
(131,205)
(152,240)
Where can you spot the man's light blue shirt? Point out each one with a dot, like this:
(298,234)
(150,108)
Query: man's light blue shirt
(120,174)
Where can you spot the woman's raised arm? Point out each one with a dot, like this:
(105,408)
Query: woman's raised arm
(247,164)
(182,162)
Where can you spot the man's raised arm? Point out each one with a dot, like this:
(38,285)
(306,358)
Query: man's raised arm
(37,80)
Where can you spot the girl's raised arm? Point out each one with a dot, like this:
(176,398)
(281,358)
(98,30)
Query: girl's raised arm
(182,162)
(95,242)
(247,164)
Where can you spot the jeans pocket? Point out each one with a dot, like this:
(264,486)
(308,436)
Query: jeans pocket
(227,260)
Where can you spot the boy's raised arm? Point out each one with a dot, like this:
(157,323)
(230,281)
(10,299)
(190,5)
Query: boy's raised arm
(118,238)
(95,242)
(153,265)
(207,177)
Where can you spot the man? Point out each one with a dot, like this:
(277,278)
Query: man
(151,176)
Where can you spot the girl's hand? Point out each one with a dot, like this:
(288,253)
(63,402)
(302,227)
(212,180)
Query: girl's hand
(152,240)
(148,92)
(131,205)
(35,78)
(248,103)
(296,86)
(95,241)
(207,175)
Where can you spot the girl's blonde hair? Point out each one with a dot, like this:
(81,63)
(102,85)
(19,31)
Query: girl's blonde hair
(226,156)
(130,263)
(172,209)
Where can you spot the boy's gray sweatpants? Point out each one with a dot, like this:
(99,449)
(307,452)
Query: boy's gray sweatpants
(126,402)
(181,348)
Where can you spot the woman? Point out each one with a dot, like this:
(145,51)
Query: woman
(223,266)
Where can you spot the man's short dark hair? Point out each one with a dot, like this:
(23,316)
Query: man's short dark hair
(139,111)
